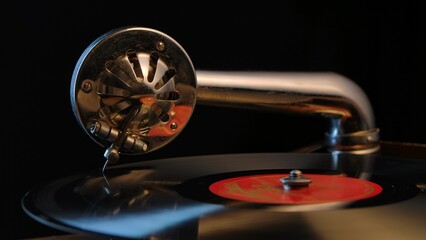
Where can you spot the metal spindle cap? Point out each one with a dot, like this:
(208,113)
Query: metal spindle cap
(295,180)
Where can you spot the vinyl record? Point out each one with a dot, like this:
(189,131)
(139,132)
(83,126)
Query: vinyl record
(173,198)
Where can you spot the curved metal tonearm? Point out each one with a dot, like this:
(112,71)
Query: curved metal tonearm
(314,93)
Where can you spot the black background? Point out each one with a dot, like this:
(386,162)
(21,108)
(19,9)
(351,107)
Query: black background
(380,47)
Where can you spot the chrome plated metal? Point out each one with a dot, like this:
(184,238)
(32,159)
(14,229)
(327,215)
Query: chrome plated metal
(134,89)
(324,94)
(295,180)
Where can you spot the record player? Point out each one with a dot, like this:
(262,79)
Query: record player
(134,90)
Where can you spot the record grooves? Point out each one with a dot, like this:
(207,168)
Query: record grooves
(167,199)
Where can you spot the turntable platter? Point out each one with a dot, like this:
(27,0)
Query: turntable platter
(172,199)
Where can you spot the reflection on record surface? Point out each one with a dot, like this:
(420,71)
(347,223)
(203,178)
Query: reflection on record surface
(171,199)
(125,205)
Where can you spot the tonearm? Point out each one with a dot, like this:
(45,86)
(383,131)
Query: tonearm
(134,89)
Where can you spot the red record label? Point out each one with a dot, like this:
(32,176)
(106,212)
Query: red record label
(267,188)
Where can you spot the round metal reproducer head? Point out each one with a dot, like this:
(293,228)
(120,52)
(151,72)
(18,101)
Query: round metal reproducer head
(133,90)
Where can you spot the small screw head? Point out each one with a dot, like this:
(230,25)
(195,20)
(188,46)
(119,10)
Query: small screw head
(296,173)
(161,46)
(173,126)
(86,86)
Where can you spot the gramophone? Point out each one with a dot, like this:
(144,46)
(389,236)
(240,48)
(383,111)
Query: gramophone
(134,90)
